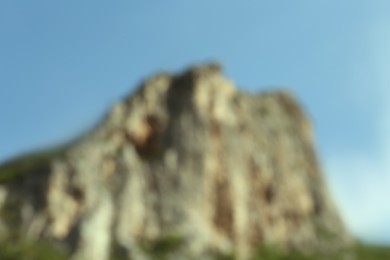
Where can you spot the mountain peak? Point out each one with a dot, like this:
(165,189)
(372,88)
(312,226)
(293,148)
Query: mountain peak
(186,162)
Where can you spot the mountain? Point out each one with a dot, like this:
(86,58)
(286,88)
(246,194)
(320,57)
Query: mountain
(187,167)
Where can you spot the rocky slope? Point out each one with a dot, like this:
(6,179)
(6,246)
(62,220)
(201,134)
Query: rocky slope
(186,163)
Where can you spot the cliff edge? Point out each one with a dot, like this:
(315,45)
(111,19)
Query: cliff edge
(187,166)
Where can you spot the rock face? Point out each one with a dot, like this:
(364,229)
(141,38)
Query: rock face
(186,161)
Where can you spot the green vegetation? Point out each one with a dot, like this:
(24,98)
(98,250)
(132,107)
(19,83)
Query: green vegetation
(34,163)
(277,253)
(14,246)
(221,256)
(21,249)
(12,249)
(371,252)
(359,251)
(161,248)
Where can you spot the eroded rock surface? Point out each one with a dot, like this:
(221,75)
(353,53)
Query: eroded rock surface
(187,158)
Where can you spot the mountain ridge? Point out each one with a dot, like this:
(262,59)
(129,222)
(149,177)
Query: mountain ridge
(186,160)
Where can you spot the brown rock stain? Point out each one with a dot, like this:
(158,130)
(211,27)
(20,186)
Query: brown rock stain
(223,218)
(147,142)
(223,215)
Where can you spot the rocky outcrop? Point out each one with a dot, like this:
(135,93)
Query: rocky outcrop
(188,163)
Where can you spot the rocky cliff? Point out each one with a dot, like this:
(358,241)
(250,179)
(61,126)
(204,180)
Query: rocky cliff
(187,166)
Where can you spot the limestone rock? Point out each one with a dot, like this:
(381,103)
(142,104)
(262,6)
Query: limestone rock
(189,161)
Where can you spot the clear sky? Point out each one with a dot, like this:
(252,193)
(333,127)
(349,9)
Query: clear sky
(63,63)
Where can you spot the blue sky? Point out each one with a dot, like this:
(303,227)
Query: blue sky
(63,63)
